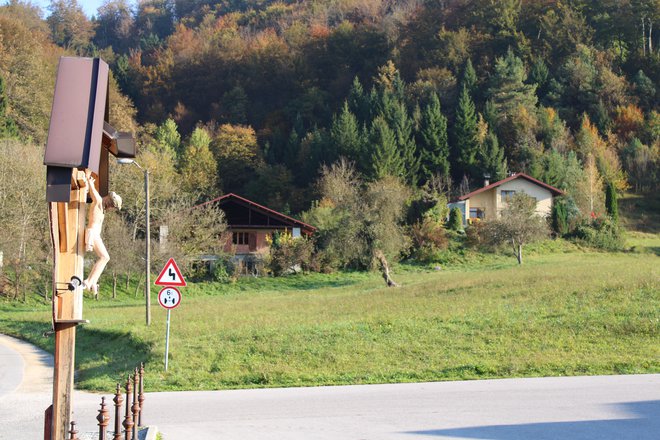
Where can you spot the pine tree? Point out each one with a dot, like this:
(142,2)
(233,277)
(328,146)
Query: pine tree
(358,101)
(345,134)
(508,90)
(469,80)
(433,140)
(491,158)
(385,158)
(396,116)
(466,144)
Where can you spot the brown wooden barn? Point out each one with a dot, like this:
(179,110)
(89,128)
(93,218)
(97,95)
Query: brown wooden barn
(250,224)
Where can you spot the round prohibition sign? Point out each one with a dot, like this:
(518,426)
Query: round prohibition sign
(169,297)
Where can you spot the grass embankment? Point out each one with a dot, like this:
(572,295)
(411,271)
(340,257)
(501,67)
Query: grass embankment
(565,312)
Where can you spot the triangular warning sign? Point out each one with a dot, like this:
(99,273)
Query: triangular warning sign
(170,275)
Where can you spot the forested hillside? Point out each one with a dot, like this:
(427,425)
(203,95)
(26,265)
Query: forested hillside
(405,88)
(422,98)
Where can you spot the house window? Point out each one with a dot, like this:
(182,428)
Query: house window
(476,213)
(240,238)
(507,195)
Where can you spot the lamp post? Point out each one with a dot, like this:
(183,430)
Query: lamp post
(147,269)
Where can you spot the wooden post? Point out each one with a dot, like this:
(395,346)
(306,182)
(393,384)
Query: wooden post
(128,417)
(141,398)
(79,139)
(103,419)
(136,405)
(67,223)
(118,401)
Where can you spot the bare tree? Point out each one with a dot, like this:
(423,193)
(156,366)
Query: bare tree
(23,221)
(193,231)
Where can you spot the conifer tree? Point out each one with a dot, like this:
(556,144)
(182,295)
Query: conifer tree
(385,157)
(469,80)
(358,101)
(611,203)
(345,134)
(455,222)
(396,116)
(433,143)
(508,89)
(491,158)
(466,144)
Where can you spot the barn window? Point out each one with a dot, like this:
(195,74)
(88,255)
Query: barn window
(240,238)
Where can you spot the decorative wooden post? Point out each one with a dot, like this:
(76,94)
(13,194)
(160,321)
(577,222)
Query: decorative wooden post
(128,418)
(103,419)
(141,398)
(118,401)
(79,139)
(73,434)
(136,405)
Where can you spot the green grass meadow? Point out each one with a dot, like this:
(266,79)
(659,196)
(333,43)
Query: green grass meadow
(566,311)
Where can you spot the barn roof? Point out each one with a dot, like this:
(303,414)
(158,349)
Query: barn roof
(244,213)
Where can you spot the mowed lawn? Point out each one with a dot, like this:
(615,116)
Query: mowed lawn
(559,314)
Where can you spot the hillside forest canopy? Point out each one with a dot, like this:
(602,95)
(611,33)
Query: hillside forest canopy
(288,103)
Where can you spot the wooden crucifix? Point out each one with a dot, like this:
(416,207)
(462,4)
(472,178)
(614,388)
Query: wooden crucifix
(79,142)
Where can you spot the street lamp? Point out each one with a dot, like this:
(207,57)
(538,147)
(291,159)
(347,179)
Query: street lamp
(147,269)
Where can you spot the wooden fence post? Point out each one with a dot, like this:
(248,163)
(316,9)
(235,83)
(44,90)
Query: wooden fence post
(128,418)
(73,434)
(136,405)
(141,398)
(118,401)
(103,419)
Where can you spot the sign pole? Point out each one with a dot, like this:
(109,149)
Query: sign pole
(167,338)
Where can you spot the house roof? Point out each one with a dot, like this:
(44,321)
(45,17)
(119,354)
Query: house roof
(552,189)
(282,220)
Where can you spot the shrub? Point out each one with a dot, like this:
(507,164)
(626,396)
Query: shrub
(221,273)
(474,234)
(455,222)
(601,233)
(288,254)
(429,237)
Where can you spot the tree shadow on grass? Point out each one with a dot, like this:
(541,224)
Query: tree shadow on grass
(102,356)
(644,425)
(106,355)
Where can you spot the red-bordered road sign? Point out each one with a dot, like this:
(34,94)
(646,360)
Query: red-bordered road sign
(169,297)
(170,275)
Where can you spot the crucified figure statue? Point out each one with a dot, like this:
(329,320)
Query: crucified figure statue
(93,240)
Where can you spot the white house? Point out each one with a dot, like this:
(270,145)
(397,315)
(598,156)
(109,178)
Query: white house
(487,202)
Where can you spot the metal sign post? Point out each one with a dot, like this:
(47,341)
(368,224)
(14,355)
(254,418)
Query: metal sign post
(169,298)
(167,338)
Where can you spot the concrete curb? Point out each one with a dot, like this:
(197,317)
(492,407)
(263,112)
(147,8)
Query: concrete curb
(150,434)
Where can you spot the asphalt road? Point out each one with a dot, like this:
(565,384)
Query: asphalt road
(594,408)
